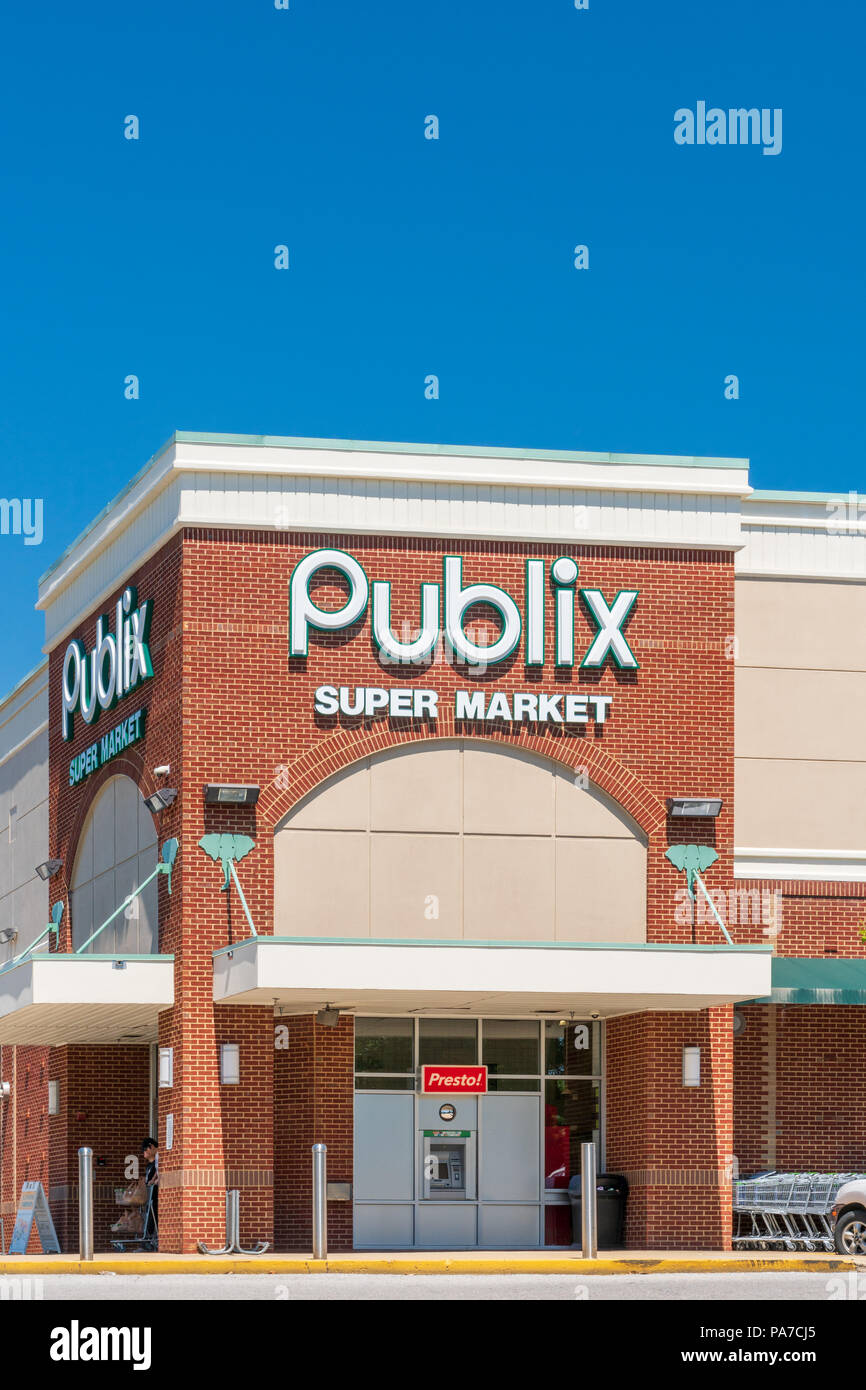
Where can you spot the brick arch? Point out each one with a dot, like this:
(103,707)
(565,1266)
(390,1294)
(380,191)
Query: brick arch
(346,746)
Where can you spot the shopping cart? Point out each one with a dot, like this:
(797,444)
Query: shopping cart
(786,1211)
(148,1238)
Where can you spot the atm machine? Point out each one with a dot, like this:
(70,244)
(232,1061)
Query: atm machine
(447,1214)
(448,1172)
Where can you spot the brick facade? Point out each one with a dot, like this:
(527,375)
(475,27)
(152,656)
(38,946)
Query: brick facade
(226,704)
(314,1092)
(104,1104)
(800,1089)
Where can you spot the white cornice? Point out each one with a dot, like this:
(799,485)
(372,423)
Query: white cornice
(411,490)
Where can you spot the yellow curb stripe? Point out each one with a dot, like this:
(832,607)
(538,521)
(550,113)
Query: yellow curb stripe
(31,1265)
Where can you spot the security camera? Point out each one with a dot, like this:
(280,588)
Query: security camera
(163,770)
(595,1015)
(8,934)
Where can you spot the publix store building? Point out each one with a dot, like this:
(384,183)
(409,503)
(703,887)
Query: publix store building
(451,807)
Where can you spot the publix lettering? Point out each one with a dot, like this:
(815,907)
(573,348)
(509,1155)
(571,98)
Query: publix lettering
(117,663)
(452,599)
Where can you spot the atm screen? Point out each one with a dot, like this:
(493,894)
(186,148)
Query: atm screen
(447,1167)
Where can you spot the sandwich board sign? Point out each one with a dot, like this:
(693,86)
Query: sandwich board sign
(33,1206)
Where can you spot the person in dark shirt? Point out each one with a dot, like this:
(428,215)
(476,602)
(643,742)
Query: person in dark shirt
(150,1154)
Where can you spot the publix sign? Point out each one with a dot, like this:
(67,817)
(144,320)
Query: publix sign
(443,608)
(95,679)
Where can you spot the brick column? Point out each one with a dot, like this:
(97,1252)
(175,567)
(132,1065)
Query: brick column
(314,1099)
(223,1135)
(674,1143)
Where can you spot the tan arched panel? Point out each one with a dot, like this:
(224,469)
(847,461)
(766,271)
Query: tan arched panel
(459,840)
(116,852)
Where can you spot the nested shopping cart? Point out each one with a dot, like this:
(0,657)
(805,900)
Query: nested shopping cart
(786,1211)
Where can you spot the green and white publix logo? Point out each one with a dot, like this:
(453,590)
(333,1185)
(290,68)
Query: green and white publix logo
(118,661)
(443,610)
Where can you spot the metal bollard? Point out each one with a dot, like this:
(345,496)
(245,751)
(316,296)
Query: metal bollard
(588,1203)
(320,1206)
(85,1204)
(233,1218)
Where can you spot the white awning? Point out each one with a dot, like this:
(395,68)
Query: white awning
(51,1000)
(302,975)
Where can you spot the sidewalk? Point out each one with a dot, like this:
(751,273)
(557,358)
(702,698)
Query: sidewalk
(439,1262)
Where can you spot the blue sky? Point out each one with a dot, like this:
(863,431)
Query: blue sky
(409,256)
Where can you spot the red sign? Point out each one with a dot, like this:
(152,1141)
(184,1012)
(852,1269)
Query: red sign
(454,1081)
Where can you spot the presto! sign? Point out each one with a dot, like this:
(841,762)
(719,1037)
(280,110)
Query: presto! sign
(118,661)
(450,1080)
(443,608)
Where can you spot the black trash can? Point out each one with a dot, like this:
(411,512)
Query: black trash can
(612,1192)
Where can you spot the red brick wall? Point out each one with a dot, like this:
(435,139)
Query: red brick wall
(314,1097)
(104,1097)
(674,1143)
(800,1088)
(25,1148)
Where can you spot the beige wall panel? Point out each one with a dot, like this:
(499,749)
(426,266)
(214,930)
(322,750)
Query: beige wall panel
(586,811)
(28,849)
(508,888)
(600,890)
(803,623)
(800,714)
(417,789)
(102,827)
(472,827)
(321,883)
(781,804)
(342,804)
(505,793)
(127,800)
(415,886)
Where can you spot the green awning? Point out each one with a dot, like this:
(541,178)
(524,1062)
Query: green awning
(803,980)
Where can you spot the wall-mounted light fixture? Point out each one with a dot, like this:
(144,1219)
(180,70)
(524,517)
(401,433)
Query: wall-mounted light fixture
(691,1066)
(159,800)
(54,1097)
(328,1017)
(166,1068)
(230,1064)
(49,868)
(231,793)
(8,934)
(5,1090)
(703,807)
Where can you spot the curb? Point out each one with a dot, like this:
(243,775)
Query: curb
(32,1264)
